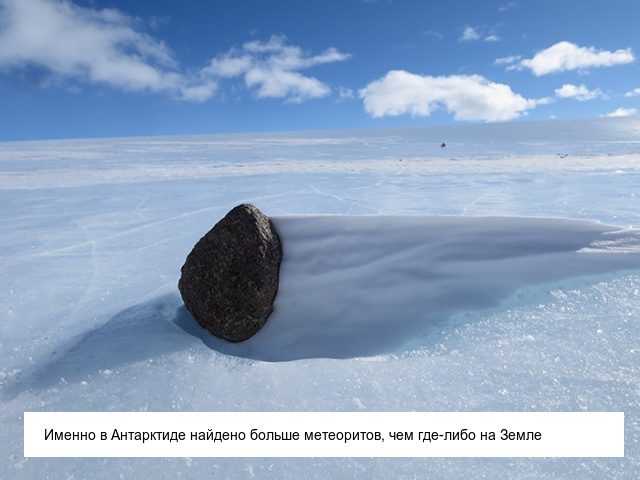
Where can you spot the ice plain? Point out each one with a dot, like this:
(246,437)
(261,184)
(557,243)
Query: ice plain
(95,232)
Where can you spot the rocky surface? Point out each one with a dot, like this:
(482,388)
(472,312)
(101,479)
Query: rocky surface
(230,279)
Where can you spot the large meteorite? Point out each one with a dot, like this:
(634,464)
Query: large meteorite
(230,279)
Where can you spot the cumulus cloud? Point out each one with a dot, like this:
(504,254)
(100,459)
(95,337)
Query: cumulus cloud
(228,65)
(433,33)
(469,34)
(565,56)
(579,92)
(271,69)
(468,97)
(622,112)
(97,46)
(106,47)
(345,93)
(507,6)
(200,91)
(633,93)
(510,60)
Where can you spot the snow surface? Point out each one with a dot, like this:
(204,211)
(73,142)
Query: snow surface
(524,314)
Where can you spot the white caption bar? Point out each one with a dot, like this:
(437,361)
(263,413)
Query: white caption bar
(323,434)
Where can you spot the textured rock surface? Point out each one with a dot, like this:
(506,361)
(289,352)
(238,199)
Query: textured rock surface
(230,279)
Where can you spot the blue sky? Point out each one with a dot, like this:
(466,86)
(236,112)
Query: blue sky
(117,68)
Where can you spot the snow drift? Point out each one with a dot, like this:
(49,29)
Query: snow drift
(355,286)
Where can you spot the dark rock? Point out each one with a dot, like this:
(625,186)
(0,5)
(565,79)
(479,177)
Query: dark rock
(230,279)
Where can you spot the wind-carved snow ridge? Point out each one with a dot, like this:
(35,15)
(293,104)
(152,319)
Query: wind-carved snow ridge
(354,286)
(618,241)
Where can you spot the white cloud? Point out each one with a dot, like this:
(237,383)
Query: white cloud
(105,47)
(469,34)
(568,56)
(511,59)
(345,93)
(633,93)
(622,112)
(228,65)
(433,33)
(284,83)
(271,68)
(96,46)
(199,92)
(506,7)
(579,92)
(468,97)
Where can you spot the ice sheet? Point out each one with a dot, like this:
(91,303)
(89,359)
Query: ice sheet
(95,231)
